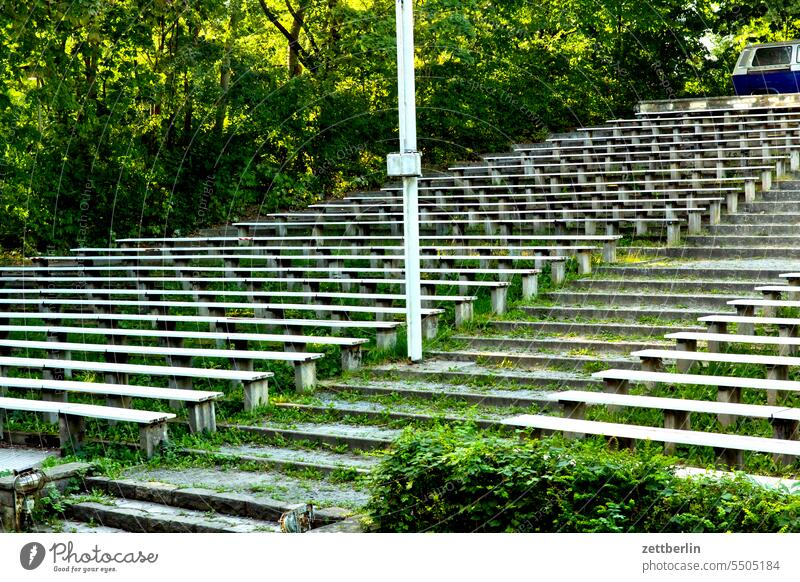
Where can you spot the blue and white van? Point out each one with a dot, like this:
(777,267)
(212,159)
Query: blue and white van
(768,68)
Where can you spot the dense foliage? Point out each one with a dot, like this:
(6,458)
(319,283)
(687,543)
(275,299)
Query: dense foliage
(460,480)
(121,117)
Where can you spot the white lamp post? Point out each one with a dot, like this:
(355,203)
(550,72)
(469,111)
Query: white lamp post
(408,165)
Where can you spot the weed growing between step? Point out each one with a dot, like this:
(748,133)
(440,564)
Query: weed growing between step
(458,479)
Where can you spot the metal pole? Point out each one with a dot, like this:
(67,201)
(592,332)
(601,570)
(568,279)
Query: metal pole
(408,145)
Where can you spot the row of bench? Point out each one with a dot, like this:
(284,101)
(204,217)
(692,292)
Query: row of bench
(785,420)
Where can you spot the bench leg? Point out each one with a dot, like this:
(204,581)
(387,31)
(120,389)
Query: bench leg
(622,443)
(202,416)
(745,328)
(52,396)
(685,346)
(673,234)
(558,272)
(732,202)
(786,430)
(584,263)
(715,213)
(694,223)
(677,420)
(749,191)
(776,373)
(574,409)
(430,326)
(652,365)
(305,376)
(610,251)
(71,432)
(614,386)
(732,395)
(255,394)
(151,436)
(386,339)
(530,286)
(463,313)
(351,358)
(732,458)
(499,295)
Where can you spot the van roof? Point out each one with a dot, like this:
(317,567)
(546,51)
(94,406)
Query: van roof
(770,44)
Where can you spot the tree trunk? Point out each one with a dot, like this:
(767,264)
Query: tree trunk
(293,64)
(225,69)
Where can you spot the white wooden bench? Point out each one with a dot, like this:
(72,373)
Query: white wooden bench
(687,341)
(629,189)
(626,434)
(255,383)
(465,273)
(777,366)
(429,323)
(641,154)
(200,404)
(152,425)
(769,307)
(609,242)
(463,303)
(386,331)
(678,411)
(304,362)
(350,347)
(499,227)
(558,216)
(729,388)
(746,324)
(498,289)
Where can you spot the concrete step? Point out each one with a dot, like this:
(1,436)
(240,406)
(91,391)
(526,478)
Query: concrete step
(528,360)
(265,492)
(148,517)
(716,252)
(473,375)
(632,298)
(551,345)
(239,503)
(753,218)
(480,395)
(769,206)
(567,328)
(332,434)
(748,271)
(644,315)
(668,285)
(397,411)
(320,460)
(766,229)
(73,526)
(739,240)
(780,195)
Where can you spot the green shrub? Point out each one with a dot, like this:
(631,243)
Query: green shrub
(464,480)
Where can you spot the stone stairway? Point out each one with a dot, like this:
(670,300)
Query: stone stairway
(319,446)
(590,324)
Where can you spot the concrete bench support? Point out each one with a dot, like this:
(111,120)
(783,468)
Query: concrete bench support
(202,417)
(255,394)
(499,295)
(151,437)
(71,432)
(351,358)
(305,376)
